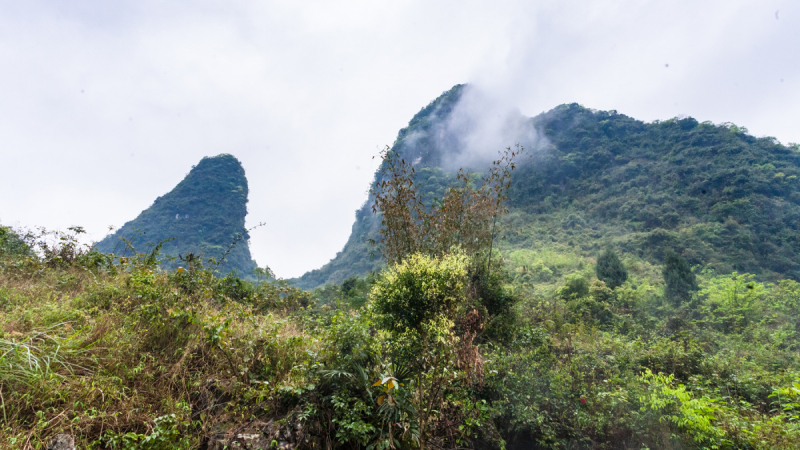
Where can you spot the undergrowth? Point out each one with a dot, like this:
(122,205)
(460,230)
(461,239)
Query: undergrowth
(121,354)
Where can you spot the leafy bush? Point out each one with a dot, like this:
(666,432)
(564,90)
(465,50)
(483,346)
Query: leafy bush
(594,307)
(101,351)
(419,290)
(11,244)
(679,279)
(494,303)
(610,269)
(733,302)
(575,286)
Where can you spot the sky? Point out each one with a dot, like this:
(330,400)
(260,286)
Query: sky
(105,106)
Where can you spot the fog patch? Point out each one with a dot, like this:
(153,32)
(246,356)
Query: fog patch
(479,127)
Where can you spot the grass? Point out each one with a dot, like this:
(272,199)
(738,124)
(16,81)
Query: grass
(104,352)
(128,356)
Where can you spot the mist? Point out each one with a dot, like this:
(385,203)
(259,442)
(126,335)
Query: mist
(480,126)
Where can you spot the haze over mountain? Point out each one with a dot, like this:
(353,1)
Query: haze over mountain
(723,198)
(203,215)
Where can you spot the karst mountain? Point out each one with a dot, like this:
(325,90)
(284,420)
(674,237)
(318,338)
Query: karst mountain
(723,198)
(203,216)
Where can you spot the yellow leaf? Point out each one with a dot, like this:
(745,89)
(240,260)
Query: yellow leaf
(391,384)
(377,383)
(380,400)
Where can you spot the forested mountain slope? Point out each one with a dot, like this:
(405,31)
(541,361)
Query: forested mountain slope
(718,195)
(721,197)
(203,215)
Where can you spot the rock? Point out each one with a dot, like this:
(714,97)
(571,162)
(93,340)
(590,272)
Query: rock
(62,442)
(242,441)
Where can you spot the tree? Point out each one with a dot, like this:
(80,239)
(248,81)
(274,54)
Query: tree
(610,269)
(464,221)
(679,278)
(418,290)
(466,216)
(12,244)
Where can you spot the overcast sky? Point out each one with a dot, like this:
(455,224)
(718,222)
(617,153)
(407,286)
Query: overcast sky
(104,105)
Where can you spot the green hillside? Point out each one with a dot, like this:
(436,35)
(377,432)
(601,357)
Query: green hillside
(721,197)
(203,215)
(617,313)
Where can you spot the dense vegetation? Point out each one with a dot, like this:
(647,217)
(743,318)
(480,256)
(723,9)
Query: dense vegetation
(201,217)
(591,325)
(720,197)
(432,353)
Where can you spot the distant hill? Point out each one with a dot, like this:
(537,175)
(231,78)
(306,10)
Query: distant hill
(202,215)
(721,197)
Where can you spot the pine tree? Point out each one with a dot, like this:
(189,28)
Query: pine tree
(679,279)
(610,269)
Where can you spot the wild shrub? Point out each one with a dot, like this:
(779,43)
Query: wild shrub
(351,293)
(594,308)
(406,386)
(419,290)
(494,317)
(733,302)
(466,216)
(696,416)
(679,279)
(11,245)
(575,286)
(233,287)
(610,269)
